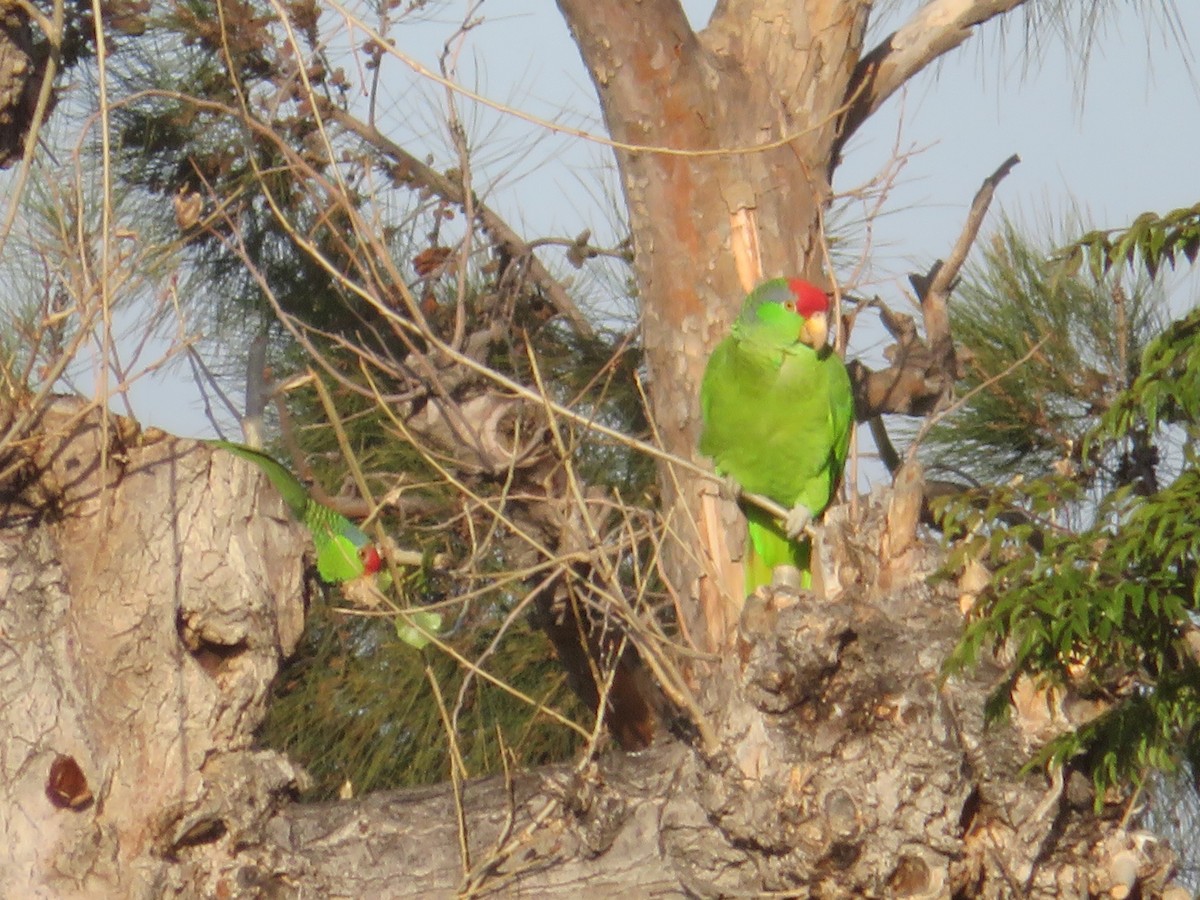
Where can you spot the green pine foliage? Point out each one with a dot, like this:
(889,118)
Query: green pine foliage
(196,126)
(355,705)
(1046,352)
(1107,609)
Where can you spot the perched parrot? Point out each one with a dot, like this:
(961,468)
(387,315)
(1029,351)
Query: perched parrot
(777,406)
(344,552)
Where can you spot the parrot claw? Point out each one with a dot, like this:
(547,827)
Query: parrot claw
(798,520)
(730,489)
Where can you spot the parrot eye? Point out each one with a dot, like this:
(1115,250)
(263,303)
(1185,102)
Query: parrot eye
(790,306)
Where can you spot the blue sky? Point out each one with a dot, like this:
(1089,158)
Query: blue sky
(1120,143)
(1115,144)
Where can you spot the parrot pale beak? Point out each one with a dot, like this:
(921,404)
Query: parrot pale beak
(815,331)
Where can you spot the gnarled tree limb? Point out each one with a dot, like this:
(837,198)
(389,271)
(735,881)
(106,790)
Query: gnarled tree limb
(923,371)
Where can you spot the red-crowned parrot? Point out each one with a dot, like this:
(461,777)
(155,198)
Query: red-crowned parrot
(344,552)
(777,407)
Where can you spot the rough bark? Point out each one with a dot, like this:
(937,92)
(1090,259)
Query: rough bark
(148,590)
(151,586)
(21,72)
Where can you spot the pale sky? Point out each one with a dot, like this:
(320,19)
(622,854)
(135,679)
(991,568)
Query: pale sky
(1118,145)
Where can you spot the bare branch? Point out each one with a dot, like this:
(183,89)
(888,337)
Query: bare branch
(427,177)
(935,29)
(942,280)
(922,371)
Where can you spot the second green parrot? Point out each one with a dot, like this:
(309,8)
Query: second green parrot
(777,407)
(344,552)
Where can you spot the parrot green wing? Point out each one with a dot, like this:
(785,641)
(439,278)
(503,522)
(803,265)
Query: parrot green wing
(344,552)
(777,417)
(340,544)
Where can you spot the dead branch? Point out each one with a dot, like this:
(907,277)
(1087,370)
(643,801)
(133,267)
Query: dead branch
(945,274)
(935,29)
(923,371)
(413,171)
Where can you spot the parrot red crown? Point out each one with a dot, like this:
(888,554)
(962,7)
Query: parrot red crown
(810,299)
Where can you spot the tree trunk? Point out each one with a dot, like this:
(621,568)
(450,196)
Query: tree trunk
(741,117)
(151,586)
(22,79)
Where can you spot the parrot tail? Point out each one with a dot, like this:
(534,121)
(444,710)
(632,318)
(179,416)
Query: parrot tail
(295,495)
(768,546)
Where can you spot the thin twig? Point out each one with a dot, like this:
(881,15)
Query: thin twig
(458,769)
(934,303)
(962,401)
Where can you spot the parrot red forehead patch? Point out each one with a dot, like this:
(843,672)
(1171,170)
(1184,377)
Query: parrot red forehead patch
(371,559)
(810,299)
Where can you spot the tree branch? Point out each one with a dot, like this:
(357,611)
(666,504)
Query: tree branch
(921,371)
(935,29)
(427,177)
(934,300)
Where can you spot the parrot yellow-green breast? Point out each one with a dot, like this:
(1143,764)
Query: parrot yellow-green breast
(777,407)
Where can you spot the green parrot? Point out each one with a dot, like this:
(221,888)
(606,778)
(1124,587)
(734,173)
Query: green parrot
(777,406)
(344,552)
